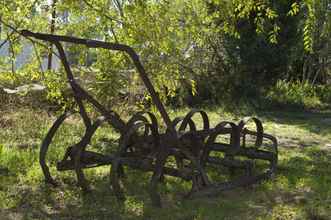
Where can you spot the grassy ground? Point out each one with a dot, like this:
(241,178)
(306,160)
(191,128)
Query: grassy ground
(301,189)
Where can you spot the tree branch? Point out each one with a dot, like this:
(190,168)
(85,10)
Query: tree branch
(102,13)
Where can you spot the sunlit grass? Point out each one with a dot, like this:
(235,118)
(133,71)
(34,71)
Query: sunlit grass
(301,189)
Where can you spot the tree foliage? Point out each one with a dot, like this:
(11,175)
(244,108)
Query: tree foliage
(213,48)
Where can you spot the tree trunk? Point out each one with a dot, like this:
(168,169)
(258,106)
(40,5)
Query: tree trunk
(52,30)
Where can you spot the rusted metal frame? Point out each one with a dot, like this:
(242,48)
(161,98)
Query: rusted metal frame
(137,121)
(274,148)
(242,181)
(151,125)
(246,180)
(254,153)
(93,159)
(186,144)
(179,157)
(192,153)
(195,141)
(77,95)
(162,153)
(164,138)
(221,129)
(79,149)
(118,47)
(80,94)
(259,129)
(116,169)
(111,116)
(238,164)
(158,172)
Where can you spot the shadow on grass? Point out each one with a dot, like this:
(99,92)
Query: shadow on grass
(305,179)
(302,184)
(315,122)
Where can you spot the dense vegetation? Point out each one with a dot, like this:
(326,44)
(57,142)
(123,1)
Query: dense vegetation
(195,51)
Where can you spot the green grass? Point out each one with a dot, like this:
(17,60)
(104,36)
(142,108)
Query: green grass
(301,189)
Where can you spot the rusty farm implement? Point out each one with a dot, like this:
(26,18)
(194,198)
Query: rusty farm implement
(182,150)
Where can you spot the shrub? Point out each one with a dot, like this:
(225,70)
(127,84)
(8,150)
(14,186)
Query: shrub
(297,95)
(324,92)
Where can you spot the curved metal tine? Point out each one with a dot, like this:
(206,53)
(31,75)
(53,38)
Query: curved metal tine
(219,129)
(152,124)
(191,124)
(260,135)
(151,116)
(178,158)
(186,153)
(195,161)
(191,114)
(182,128)
(125,138)
(154,128)
(162,155)
(274,148)
(136,118)
(259,129)
(273,140)
(80,148)
(45,145)
(177,120)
